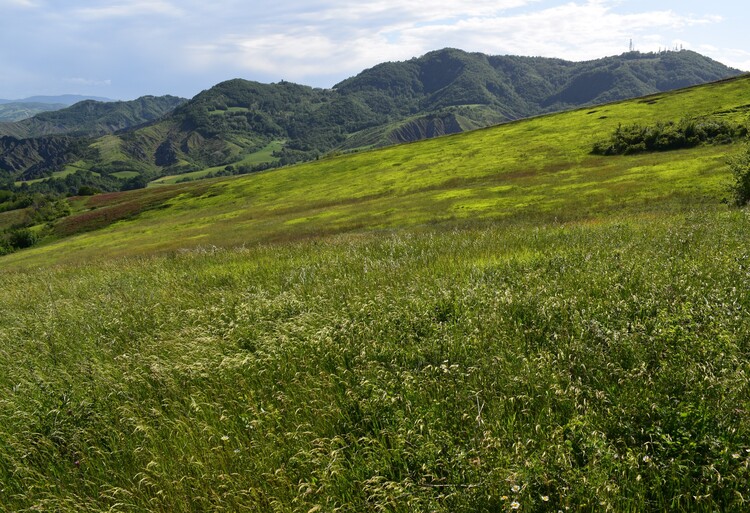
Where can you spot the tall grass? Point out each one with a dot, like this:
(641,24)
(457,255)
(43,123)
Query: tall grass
(576,367)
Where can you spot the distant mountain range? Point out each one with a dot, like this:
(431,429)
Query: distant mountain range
(442,92)
(17,110)
(64,99)
(90,118)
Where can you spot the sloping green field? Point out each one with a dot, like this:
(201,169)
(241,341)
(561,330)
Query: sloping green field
(494,321)
(531,171)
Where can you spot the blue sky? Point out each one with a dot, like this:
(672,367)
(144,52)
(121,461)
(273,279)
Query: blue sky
(124,49)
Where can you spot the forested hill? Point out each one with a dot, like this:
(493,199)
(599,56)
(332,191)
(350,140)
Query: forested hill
(241,126)
(17,110)
(519,87)
(442,92)
(92,118)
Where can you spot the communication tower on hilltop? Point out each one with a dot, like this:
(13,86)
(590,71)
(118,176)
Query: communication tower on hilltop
(632,48)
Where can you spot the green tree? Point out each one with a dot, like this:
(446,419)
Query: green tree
(740,166)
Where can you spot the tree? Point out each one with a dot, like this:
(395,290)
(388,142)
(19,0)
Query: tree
(22,238)
(740,167)
(739,164)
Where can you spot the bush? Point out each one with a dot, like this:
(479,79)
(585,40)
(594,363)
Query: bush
(740,166)
(87,190)
(22,238)
(666,136)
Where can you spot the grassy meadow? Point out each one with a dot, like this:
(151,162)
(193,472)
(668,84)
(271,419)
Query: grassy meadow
(494,321)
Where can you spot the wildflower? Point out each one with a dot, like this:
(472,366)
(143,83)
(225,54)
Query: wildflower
(646,459)
(545,498)
(515,505)
(735,455)
(515,488)
(225,438)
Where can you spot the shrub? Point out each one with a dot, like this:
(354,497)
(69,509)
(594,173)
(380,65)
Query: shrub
(665,136)
(87,190)
(22,238)
(740,166)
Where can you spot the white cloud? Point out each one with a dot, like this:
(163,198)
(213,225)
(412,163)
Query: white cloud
(180,47)
(333,36)
(736,58)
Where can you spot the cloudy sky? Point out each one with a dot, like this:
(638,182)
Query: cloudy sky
(123,49)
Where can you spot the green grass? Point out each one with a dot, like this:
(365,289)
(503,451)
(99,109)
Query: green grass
(533,171)
(474,323)
(230,109)
(11,218)
(68,170)
(109,148)
(259,157)
(126,174)
(603,367)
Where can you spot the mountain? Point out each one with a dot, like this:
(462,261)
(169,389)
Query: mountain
(92,118)
(64,99)
(17,111)
(512,87)
(28,159)
(250,125)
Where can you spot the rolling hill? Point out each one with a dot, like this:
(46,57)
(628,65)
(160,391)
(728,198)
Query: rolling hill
(17,110)
(442,92)
(542,168)
(63,99)
(496,320)
(90,118)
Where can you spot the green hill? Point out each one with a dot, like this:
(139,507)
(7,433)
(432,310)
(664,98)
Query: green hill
(541,168)
(91,118)
(443,92)
(16,111)
(496,320)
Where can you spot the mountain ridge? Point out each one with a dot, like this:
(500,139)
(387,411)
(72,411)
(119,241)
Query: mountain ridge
(444,91)
(63,99)
(91,118)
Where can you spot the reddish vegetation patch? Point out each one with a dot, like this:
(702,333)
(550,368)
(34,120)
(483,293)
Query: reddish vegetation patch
(108,198)
(116,206)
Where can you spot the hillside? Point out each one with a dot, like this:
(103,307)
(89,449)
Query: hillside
(63,99)
(541,168)
(444,92)
(17,111)
(90,118)
(497,320)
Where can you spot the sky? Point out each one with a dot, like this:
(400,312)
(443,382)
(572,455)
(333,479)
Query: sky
(124,49)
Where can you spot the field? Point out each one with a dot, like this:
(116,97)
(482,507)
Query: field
(262,156)
(494,321)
